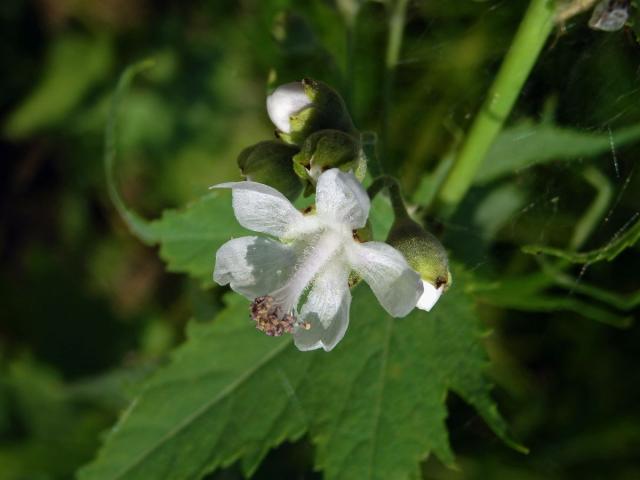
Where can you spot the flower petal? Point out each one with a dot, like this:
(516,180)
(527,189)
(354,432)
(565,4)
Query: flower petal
(340,197)
(286,100)
(326,310)
(396,286)
(253,266)
(261,208)
(430,296)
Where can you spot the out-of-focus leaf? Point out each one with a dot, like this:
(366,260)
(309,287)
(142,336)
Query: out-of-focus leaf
(608,252)
(74,64)
(553,303)
(620,301)
(374,407)
(381,217)
(188,238)
(529,293)
(40,404)
(497,208)
(529,144)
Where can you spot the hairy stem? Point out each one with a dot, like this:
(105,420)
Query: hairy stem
(393,187)
(521,57)
(137,225)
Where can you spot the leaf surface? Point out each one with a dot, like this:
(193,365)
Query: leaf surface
(374,407)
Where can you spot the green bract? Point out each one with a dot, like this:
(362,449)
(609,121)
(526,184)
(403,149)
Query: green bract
(426,255)
(270,162)
(327,149)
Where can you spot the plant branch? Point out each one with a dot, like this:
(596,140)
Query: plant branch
(521,57)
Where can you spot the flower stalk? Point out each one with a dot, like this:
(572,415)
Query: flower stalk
(393,187)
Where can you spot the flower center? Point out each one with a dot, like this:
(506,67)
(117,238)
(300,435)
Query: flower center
(313,261)
(270,318)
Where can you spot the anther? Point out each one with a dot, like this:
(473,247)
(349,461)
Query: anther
(270,318)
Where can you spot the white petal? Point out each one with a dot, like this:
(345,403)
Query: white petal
(429,297)
(326,310)
(262,209)
(342,198)
(253,266)
(286,100)
(315,257)
(396,286)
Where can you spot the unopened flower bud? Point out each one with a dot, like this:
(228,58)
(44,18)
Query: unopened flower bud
(298,109)
(426,255)
(328,149)
(271,163)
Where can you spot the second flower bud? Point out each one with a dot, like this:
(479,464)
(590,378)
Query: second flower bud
(271,163)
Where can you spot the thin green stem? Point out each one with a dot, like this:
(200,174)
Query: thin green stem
(393,187)
(397,19)
(598,208)
(137,225)
(527,45)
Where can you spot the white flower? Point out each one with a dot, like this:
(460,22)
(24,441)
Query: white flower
(286,100)
(430,296)
(300,281)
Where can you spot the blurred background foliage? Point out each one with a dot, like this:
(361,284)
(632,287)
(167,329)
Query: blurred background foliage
(88,311)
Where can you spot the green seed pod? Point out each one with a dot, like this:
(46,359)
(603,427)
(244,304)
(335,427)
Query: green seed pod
(426,255)
(299,109)
(328,149)
(270,162)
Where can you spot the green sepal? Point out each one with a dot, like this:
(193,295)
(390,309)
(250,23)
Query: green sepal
(422,250)
(328,149)
(327,111)
(270,162)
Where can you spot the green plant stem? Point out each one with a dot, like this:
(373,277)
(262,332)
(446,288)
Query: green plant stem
(137,225)
(527,44)
(397,19)
(598,208)
(393,187)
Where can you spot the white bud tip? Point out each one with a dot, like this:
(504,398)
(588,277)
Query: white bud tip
(286,100)
(429,297)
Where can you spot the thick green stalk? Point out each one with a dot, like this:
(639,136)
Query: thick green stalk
(527,44)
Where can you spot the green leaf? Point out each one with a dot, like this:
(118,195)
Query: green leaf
(529,144)
(74,64)
(608,252)
(189,238)
(374,407)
